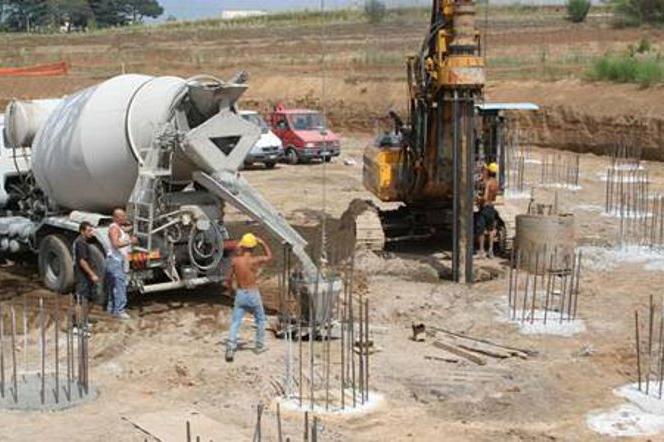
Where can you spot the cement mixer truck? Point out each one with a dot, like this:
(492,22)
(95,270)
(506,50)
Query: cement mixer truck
(166,148)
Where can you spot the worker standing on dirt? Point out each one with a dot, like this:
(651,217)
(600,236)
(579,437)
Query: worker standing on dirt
(244,270)
(85,273)
(485,219)
(117,264)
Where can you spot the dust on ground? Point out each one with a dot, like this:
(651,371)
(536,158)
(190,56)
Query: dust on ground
(169,356)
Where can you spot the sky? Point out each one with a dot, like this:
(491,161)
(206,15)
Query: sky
(191,9)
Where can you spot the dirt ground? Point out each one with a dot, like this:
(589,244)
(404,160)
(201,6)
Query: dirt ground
(169,357)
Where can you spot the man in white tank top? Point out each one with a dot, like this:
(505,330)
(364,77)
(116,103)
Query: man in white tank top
(117,265)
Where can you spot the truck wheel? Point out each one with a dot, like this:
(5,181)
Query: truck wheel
(500,247)
(270,165)
(99,262)
(327,159)
(56,265)
(291,156)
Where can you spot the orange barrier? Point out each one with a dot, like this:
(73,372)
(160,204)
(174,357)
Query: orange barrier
(44,70)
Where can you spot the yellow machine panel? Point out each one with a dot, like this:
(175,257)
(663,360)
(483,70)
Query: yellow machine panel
(381,168)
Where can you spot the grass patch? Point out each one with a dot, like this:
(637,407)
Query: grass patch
(644,70)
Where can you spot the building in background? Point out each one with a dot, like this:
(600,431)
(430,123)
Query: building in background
(230,15)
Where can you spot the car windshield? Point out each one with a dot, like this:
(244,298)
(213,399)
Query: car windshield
(308,121)
(258,121)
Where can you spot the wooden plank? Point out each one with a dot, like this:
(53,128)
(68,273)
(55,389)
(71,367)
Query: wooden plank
(485,341)
(459,352)
(485,349)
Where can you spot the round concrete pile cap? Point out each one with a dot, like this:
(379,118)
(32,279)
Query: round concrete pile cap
(29,394)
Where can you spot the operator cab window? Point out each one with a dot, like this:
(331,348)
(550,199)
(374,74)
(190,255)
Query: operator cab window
(388,139)
(3,137)
(281,123)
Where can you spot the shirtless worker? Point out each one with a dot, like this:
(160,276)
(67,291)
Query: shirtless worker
(244,270)
(485,220)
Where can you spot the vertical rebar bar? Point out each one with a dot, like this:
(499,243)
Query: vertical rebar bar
(352,347)
(13,343)
(360,343)
(259,424)
(2,350)
(314,430)
(638,348)
(312,337)
(525,292)
(188,430)
(57,352)
(306,426)
(86,335)
(301,345)
(532,307)
(280,435)
(367,346)
(69,352)
(549,285)
(564,275)
(515,297)
(42,345)
(661,347)
(25,332)
(509,289)
(578,283)
(327,366)
(650,330)
(343,352)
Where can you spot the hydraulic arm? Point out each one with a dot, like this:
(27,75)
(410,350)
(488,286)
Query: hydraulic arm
(431,170)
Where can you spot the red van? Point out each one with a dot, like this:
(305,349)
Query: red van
(304,135)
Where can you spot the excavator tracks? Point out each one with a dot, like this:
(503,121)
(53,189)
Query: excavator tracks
(362,218)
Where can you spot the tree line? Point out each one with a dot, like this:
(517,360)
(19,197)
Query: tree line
(44,15)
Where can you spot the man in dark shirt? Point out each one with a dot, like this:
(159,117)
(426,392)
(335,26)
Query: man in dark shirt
(85,273)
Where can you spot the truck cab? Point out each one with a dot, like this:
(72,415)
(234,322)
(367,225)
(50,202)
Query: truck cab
(268,149)
(304,134)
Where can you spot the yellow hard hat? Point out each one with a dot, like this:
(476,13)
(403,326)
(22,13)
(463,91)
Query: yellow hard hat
(248,241)
(492,167)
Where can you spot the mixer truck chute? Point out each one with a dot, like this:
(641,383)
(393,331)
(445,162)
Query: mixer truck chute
(138,142)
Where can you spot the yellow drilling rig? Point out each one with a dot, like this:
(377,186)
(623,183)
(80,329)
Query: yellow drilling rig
(427,162)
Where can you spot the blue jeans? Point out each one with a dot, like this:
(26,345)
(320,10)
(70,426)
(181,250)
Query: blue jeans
(116,287)
(247,301)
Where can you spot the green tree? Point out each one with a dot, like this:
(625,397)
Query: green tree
(71,12)
(577,10)
(107,13)
(25,15)
(375,10)
(637,12)
(137,10)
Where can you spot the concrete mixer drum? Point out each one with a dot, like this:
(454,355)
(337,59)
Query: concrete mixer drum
(139,142)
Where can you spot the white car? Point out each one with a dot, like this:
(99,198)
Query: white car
(268,149)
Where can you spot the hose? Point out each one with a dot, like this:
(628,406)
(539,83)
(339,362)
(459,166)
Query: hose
(196,255)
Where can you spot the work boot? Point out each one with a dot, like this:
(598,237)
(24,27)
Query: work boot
(230,355)
(260,349)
